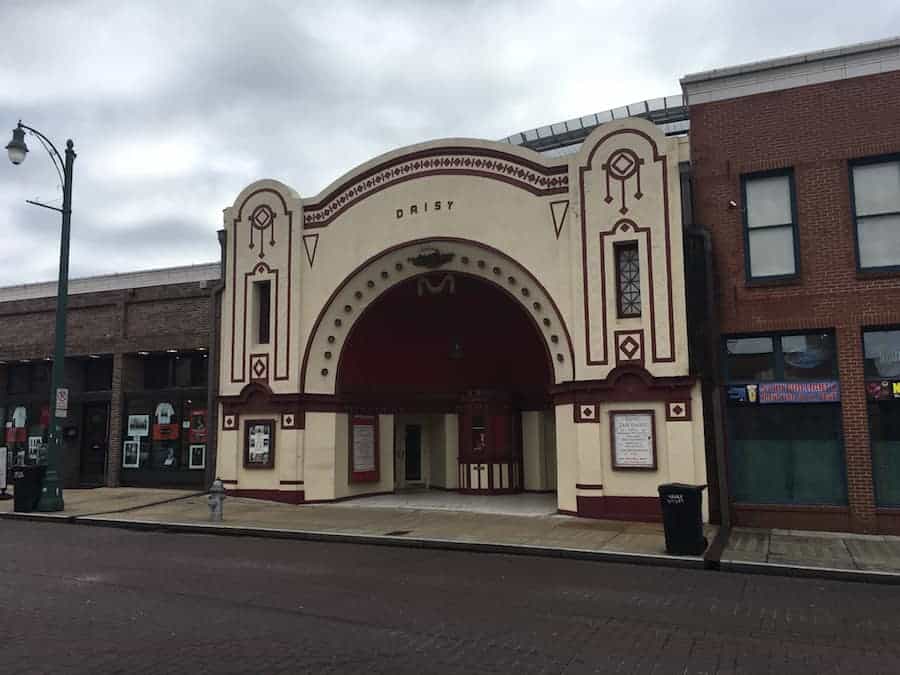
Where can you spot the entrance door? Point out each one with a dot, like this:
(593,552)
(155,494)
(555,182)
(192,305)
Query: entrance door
(94,443)
(413,463)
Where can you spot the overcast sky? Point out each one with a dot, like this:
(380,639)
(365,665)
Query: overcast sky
(175,106)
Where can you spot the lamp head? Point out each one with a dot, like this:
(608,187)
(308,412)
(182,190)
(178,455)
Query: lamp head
(16,147)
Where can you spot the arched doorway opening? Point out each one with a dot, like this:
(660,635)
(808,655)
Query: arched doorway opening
(458,362)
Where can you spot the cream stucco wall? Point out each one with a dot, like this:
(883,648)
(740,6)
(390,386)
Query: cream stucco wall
(548,226)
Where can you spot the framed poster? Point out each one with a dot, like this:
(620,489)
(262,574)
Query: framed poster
(197,459)
(131,455)
(364,449)
(259,444)
(633,439)
(35,444)
(138,425)
(197,426)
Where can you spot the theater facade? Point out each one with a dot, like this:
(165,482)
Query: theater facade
(465,315)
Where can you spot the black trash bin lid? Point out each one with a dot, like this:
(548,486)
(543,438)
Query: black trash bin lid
(672,488)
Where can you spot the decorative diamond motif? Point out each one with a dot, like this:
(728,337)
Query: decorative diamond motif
(262,218)
(629,347)
(677,410)
(288,420)
(622,165)
(259,369)
(587,411)
(229,421)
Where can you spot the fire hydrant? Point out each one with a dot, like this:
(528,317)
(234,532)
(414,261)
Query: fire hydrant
(216,500)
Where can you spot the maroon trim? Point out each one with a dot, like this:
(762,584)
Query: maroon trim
(234,266)
(304,367)
(229,482)
(588,486)
(237,421)
(643,509)
(639,335)
(271,461)
(578,413)
(566,512)
(353,476)
(687,411)
(290,482)
(582,170)
(626,383)
(612,439)
(264,358)
(557,227)
(285,496)
(554,179)
(349,497)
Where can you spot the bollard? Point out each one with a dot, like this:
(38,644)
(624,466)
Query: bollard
(216,500)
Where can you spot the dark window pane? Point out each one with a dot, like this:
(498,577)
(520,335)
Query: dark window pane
(787,454)
(98,374)
(157,370)
(750,359)
(884,428)
(199,370)
(40,376)
(882,353)
(19,379)
(628,279)
(263,309)
(808,357)
(183,371)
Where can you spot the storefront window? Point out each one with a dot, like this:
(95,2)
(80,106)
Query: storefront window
(784,420)
(98,374)
(881,350)
(750,359)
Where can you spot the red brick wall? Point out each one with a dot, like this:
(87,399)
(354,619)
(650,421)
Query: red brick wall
(815,130)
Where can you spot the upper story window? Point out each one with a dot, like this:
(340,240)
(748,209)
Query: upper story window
(263,301)
(770,226)
(876,211)
(628,279)
(792,357)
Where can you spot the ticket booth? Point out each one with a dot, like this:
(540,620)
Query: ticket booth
(490,444)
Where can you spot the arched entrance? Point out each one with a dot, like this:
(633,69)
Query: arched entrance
(445,343)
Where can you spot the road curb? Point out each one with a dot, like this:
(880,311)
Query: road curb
(375,540)
(808,572)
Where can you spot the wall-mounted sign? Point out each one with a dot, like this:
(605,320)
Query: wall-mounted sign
(198,431)
(799,392)
(131,455)
(633,439)
(363,448)
(197,459)
(259,444)
(138,425)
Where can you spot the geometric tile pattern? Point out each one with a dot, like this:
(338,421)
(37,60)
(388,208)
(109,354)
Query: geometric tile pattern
(587,413)
(678,411)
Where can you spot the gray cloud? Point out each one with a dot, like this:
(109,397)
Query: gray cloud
(176,106)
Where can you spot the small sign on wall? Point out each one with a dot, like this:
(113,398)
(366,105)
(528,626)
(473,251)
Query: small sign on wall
(259,444)
(633,439)
(364,448)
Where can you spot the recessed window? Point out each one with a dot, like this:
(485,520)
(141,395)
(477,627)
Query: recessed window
(263,298)
(770,226)
(750,359)
(876,210)
(628,279)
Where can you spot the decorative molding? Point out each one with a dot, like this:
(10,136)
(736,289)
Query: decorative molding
(678,411)
(657,158)
(447,282)
(624,383)
(311,244)
(290,420)
(482,162)
(262,219)
(586,413)
(259,367)
(230,422)
(629,347)
(558,212)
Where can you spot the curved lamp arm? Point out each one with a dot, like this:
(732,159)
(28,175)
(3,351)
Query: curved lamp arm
(55,157)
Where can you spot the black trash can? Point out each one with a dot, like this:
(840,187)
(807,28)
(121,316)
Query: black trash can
(27,481)
(682,510)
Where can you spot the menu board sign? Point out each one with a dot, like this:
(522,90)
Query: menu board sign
(633,441)
(363,448)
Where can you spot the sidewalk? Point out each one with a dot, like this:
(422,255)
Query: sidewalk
(398,521)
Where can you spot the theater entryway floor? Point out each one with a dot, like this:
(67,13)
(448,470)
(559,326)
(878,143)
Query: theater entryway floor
(523,504)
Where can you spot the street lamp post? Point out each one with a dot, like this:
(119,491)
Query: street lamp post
(51,490)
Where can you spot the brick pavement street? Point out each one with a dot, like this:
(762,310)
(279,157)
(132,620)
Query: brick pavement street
(86,599)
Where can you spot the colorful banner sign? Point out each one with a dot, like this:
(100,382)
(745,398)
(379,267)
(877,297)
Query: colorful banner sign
(799,392)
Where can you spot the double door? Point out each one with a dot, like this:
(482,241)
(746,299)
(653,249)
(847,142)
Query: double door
(490,444)
(94,444)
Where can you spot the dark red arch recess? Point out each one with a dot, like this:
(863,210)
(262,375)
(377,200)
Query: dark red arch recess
(401,351)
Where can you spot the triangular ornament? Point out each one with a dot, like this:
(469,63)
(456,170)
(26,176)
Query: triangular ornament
(559,210)
(311,243)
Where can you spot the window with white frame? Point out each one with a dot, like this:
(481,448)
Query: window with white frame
(876,210)
(770,227)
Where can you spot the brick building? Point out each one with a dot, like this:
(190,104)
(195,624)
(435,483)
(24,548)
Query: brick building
(796,174)
(134,342)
